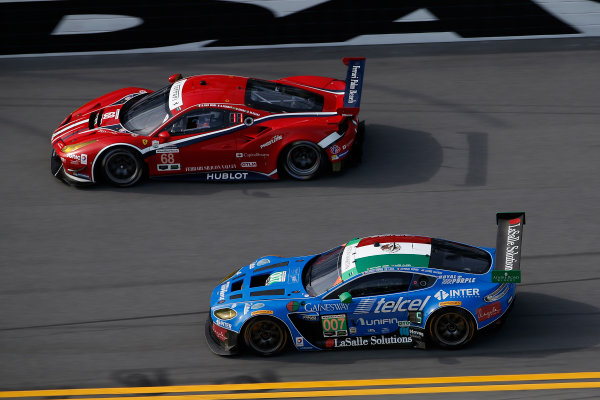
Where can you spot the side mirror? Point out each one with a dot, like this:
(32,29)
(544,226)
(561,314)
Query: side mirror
(175,77)
(346,298)
(164,136)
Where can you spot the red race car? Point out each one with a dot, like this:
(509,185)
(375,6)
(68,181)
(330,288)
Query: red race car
(213,128)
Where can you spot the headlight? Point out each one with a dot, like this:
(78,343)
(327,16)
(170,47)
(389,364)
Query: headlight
(229,276)
(72,147)
(225,313)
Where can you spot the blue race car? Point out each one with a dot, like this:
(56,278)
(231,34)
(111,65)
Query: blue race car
(391,290)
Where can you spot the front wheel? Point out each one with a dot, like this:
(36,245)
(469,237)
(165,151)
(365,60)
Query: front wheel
(302,160)
(452,328)
(121,167)
(265,336)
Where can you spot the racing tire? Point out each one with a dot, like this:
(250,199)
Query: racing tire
(122,167)
(451,328)
(265,336)
(302,160)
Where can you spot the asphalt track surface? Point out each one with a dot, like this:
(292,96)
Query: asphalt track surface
(106,287)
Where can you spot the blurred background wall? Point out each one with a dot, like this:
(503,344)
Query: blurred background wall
(33,27)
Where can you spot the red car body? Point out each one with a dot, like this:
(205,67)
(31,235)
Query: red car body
(213,128)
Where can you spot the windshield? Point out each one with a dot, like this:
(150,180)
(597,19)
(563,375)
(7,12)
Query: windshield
(145,113)
(322,272)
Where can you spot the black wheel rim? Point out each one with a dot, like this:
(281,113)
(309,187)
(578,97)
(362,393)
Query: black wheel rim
(303,160)
(266,336)
(452,329)
(121,167)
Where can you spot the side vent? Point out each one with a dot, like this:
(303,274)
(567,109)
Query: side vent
(237,285)
(259,280)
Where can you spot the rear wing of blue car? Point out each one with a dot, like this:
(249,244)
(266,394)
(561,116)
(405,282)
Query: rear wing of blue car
(354,82)
(508,247)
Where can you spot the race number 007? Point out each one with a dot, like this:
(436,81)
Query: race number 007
(334,323)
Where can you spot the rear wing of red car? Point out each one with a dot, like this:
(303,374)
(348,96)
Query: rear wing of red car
(354,82)
(508,247)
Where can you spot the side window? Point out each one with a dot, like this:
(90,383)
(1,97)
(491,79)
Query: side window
(375,284)
(422,282)
(201,120)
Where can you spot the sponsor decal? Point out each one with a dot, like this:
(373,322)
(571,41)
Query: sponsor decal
(83,159)
(450,303)
(209,167)
(326,307)
(453,293)
(334,325)
(416,333)
(308,317)
(339,156)
(335,149)
(512,243)
(384,306)
(300,341)
(155,143)
(175,97)
(274,139)
(220,333)
(506,276)
(380,321)
(374,340)
(144,141)
(354,80)
(223,324)
(227,176)
(168,167)
(257,306)
(451,279)
(261,312)
(223,290)
(246,308)
(166,149)
(248,164)
(293,306)
(276,277)
(242,155)
(489,311)
(353,330)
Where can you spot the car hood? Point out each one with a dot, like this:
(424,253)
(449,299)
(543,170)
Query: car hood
(267,278)
(97,117)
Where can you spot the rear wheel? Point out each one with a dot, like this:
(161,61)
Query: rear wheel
(121,167)
(302,160)
(265,336)
(451,328)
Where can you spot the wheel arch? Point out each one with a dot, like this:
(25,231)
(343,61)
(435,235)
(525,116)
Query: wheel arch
(241,343)
(99,155)
(440,310)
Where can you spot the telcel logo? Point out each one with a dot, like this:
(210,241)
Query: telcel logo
(400,305)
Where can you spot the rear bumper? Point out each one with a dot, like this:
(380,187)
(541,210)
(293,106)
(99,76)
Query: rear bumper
(228,346)
(354,156)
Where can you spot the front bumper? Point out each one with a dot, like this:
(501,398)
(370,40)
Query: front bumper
(227,347)
(58,170)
